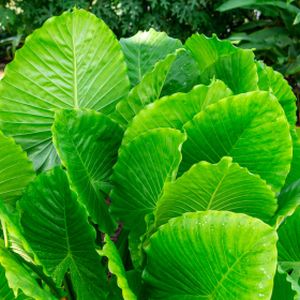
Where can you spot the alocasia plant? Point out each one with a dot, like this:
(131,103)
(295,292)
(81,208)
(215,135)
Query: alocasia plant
(145,169)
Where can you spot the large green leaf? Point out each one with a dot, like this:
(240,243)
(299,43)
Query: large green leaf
(211,255)
(223,186)
(116,267)
(250,127)
(289,249)
(272,81)
(143,167)
(144,49)
(87,143)
(222,60)
(148,90)
(16,170)
(56,228)
(74,60)
(20,278)
(175,110)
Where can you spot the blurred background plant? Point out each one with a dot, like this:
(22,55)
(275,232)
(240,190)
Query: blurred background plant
(270,27)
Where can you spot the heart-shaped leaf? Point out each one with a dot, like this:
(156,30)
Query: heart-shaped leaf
(73,61)
(56,228)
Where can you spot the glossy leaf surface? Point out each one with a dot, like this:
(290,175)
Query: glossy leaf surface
(223,186)
(73,61)
(251,128)
(226,256)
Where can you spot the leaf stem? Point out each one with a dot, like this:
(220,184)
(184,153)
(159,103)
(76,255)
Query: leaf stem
(4,233)
(69,288)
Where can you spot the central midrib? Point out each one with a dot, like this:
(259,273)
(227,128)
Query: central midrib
(75,92)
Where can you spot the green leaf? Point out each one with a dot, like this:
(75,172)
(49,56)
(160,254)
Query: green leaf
(288,201)
(251,128)
(175,110)
(87,143)
(13,160)
(115,266)
(211,255)
(5,292)
(223,186)
(282,288)
(73,61)
(221,60)
(143,167)
(144,49)
(274,82)
(295,167)
(297,19)
(148,90)
(56,228)
(183,75)
(289,249)
(19,278)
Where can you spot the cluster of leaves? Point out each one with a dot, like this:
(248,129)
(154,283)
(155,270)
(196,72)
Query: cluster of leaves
(178,18)
(274,33)
(191,150)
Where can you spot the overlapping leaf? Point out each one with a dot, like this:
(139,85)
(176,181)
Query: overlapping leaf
(221,60)
(56,228)
(289,249)
(223,186)
(144,49)
(116,267)
(225,256)
(16,170)
(175,110)
(19,278)
(143,167)
(251,128)
(288,201)
(272,81)
(148,90)
(74,60)
(87,143)
(294,173)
